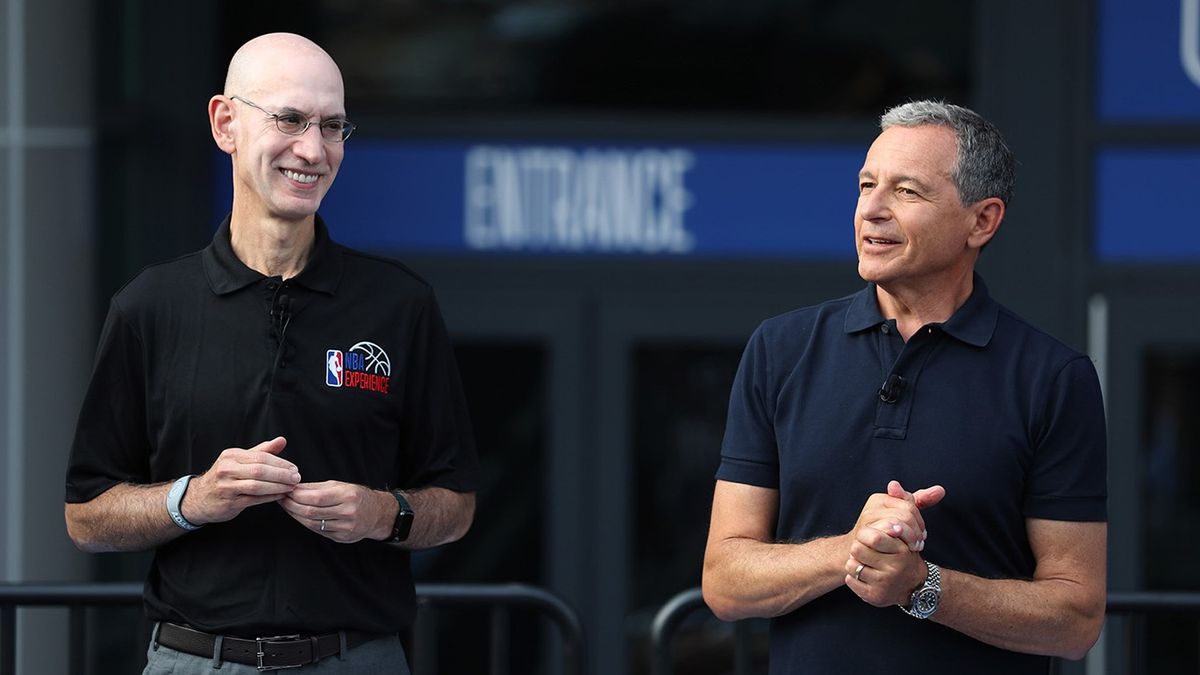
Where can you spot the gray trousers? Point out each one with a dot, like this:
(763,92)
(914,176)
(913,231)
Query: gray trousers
(384,656)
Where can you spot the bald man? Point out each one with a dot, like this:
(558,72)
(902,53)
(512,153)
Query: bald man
(278,417)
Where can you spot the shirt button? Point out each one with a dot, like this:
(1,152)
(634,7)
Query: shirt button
(884,328)
(271,285)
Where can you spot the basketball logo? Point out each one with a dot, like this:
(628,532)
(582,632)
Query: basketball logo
(364,366)
(375,359)
(333,367)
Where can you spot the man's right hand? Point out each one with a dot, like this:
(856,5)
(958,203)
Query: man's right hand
(240,478)
(898,513)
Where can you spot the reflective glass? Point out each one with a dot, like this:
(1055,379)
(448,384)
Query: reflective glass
(1170,485)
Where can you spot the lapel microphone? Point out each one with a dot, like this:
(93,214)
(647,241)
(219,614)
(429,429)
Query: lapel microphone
(891,389)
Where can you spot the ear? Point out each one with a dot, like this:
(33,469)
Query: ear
(220,118)
(988,214)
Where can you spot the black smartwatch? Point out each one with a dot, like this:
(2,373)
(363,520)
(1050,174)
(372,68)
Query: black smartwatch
(404,519)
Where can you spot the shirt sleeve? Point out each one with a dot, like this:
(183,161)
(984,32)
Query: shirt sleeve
(1068,478)
(111,445)
(749,452)
(439,447)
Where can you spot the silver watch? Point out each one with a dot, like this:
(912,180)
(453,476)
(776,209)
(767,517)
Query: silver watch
(175,498)
(924,601)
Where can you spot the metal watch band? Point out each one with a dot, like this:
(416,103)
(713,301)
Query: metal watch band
(175,498)
(924,601)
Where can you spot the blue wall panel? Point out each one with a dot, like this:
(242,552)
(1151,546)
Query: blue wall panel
(1148,60)
(1145,205)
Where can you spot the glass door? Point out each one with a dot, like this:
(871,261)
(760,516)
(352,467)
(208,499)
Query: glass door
(1152,393)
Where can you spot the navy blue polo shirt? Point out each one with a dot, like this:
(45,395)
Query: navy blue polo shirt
(349,360)
(1007,418)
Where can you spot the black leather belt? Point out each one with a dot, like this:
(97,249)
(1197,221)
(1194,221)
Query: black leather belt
(266,653)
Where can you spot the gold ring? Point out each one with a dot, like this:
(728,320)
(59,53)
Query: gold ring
(857,570)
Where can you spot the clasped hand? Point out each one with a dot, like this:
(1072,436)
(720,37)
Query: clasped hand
(245,477)
(887,541)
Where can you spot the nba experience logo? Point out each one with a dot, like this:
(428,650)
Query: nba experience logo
(363,366)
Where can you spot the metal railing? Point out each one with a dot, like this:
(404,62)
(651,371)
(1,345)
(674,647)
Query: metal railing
(673,614)
(77,598)
(667,622)
(501,598)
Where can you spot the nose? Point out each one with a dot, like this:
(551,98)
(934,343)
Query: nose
(874,206)
(309,145)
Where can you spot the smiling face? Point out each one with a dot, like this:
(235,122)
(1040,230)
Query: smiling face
(911,229)
(275,175)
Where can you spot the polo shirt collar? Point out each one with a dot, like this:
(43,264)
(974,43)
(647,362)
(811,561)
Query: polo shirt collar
(863,312)
(973,323)
(227,273)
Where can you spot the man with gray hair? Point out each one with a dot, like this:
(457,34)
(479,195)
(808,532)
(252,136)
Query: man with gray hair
(913,478)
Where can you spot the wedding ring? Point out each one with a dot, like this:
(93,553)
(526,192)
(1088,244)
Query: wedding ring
(323,529)
(857,570)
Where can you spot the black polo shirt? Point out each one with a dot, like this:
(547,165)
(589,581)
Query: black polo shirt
(349,360)
(1007,418)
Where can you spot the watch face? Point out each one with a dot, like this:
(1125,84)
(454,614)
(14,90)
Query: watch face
(404,519)
(926,602)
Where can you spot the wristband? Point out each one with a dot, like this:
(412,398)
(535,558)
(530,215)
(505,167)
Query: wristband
(175,498)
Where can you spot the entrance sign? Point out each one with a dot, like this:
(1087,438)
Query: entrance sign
(695,200)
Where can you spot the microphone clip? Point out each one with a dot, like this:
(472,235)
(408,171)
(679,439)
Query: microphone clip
(281,311)
(891,389)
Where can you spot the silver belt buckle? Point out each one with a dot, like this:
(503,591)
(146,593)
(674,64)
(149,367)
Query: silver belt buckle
(259,644)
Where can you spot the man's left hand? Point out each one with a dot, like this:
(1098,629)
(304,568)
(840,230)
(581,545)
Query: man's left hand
(343,512)
(890,569)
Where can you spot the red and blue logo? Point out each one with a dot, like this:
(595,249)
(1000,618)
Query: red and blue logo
(364,366)
(333,367)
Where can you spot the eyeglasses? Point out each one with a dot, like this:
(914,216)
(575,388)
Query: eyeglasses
(294,123)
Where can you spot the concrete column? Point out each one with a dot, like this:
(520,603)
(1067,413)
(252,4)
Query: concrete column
(47,326)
